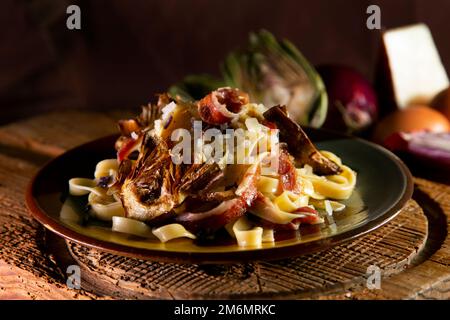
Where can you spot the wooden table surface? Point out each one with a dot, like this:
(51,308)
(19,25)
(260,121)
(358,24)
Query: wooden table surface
(29,271)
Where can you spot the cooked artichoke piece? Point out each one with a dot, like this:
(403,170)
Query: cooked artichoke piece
(299,144)
(156,185)
(148,191)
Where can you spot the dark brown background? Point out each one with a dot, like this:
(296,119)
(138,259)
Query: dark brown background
(128,50)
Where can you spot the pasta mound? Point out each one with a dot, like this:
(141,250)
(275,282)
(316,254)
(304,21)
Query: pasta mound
(144,192)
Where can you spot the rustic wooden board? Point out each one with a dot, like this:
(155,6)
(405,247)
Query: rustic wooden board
(391,248)
(26,270)
(52,134)
(29,269)
(430,277)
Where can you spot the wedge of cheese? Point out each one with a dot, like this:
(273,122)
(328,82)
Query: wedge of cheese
(415,70)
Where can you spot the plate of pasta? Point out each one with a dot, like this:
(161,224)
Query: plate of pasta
(221,179)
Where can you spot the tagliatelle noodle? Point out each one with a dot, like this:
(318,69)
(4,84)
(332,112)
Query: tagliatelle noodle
(131,226)
(107,167)
(249,235)
(103,206)
(172,231)
(81,186)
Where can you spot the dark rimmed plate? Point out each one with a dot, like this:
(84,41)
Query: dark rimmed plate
(383,187)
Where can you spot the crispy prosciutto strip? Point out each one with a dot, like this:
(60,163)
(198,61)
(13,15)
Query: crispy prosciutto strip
(128,145)
(310,217)
(222,105)
(263,207)
(228,210)
(287,173)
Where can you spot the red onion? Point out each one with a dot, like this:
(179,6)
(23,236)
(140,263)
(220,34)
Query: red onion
(353,103)
(430,146)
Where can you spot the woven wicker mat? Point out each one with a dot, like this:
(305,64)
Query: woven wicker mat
(391,248)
